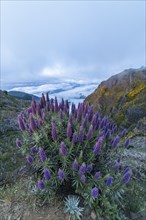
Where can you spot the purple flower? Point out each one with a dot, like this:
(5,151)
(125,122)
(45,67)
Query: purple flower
(70,119)
(65,109)
(89,168)
(91,112)
(54,132)
(81,134)
(43,101)
(118,160)
(47,174)
(33,108)
(97,175)
(101,123)
(115,129)
(61,175)
(127,177)
(126,170)
(67,104)
(39,110)
(18,143)
(98,146)
(85,121)
(43,116)
(127,142)
(83,178)
(40,123)
(74,138)
(21,123)
(33,124)
(107,135)
(52,107)
(79,114)
(117,165)
(82,169)
(69,130)
(62,103)
(97,125)
(41,184)
(100,135)
(109,181)
(56,105)
(61,114)
(75,113)
(47,97)
(90,133)
(72,108)
(29,159)
(29,110)
(75,165)
(33,150)
(116,141)
(124,132)
(94,192)
(63,150)
(53,121)
(94,119)
(48,106)
(42,154)
(86,108)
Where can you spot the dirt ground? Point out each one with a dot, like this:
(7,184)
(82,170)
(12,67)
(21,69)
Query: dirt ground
(20,211)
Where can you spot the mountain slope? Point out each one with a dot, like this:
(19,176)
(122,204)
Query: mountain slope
(10,107)
(122,96)
(23,95)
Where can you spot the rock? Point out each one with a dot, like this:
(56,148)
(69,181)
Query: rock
(93,215)
(140,215)
(87,210)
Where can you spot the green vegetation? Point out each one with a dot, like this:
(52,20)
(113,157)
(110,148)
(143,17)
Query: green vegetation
(122,96)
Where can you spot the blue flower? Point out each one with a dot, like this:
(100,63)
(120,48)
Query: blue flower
(82,169)
(127,177)
(75,165)
(97,175)
(42,154)
(61,175)
(89,168)
(41,184)
(109,181)
(94,192)
(47,174)
(63,150)
(83,178)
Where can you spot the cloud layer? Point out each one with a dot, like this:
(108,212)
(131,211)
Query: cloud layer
(80,40)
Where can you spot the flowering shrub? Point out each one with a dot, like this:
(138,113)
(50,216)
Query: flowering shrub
(75,147)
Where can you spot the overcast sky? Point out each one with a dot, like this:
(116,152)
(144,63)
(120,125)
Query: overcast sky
(77,40)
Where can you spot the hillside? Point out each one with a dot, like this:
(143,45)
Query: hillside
(10,107)
(122,97)
(19,198)
(22,95)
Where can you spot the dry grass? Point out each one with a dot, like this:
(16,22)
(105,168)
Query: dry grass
(18,202)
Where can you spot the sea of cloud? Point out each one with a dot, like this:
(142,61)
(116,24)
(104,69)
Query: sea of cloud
(73,91)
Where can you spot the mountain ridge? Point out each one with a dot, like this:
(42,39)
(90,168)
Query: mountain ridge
(120,93)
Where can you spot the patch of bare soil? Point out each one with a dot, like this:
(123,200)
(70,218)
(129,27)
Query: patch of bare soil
(18,210)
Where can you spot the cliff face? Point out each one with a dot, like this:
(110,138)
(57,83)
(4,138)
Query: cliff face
(122,96)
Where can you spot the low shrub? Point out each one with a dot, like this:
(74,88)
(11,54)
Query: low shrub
(135,113)
(75,149)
